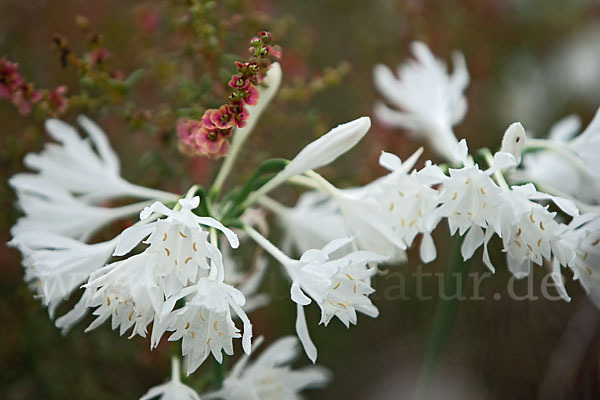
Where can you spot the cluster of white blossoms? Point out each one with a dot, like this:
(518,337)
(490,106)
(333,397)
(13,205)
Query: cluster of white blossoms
(176,268)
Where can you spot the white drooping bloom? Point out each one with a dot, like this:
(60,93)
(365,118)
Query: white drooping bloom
(409,204)
(566,163)
(174,389)
(430,101)
(57,211)
(178,244)
(468,199)
(128,292)
(530,232)
(269,376)
(586,265)
(133,291)
(313,222)
(56,265)
(205,323)
(87,168)
(339,286)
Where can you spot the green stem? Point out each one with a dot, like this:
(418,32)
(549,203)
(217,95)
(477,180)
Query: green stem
(444,318)
(219,373)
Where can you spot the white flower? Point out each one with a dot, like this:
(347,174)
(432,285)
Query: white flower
(586,266)
(565,164)
(57,211)
(205,324)
(409,205)
(174,389)
(270,376)
(127,292)
(90,173)
(529,231)
(178,244)
(56,265)
(339,286)
(313,222)
(430,100)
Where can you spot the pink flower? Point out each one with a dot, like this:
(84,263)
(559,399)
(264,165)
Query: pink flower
(223,117)
(211,143)
(238,82)
(25,96)
(58,99)
(240,114)
(187,130)
(98,56)
(10,79)
(275,51)
(250,95)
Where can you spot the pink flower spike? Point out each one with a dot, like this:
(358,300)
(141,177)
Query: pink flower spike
(251,95)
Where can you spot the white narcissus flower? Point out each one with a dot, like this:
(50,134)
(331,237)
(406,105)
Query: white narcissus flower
(529,231)
(269,376)
(178,244)
(469,200)
(172,390)
(57,211)
(586,266)
(430,101)
(339,286)
(56,265)
(205,323)
(409,205)
(128,292)
(86,168)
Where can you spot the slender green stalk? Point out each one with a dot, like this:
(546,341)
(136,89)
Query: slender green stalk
(219,373)
(444,318)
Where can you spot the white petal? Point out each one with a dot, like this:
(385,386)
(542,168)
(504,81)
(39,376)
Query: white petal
(472,241)
(303,335)
(298,295)
(428,250)
(133,236)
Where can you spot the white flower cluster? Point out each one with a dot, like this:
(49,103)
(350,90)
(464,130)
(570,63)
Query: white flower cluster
(174,268)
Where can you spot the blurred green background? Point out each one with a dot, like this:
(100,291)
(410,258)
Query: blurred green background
(530,61)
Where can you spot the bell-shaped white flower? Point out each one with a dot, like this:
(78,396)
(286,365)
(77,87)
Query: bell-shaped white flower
(205,323)
(339,286)
(128,292)
(430,101)
(409,204)
(172,390)
(87,168)
(269,376)
(586,265)
(178,244)
(56,265)
(529,230)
